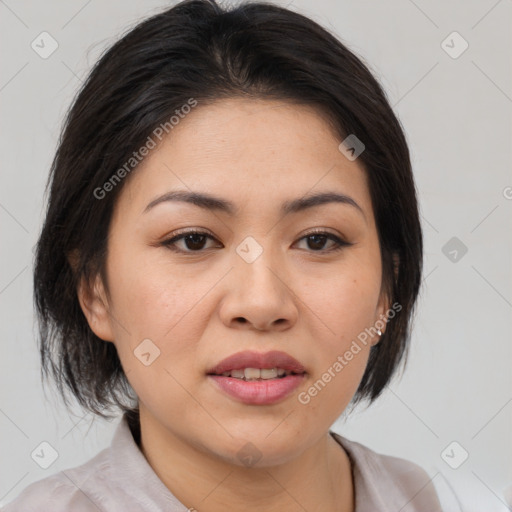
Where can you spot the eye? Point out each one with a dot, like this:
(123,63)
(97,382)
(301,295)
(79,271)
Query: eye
(317,239)
(195,241)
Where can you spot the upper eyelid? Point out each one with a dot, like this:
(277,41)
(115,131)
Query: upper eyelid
(204,231)
(178,236)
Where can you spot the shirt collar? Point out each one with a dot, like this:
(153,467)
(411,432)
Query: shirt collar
(386,483)
(131,470)
(374,477)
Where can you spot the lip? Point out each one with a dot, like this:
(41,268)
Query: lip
(251,359)
(258,392)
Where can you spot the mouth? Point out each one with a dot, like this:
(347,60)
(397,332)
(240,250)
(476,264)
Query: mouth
(251,374)
(258,379)
(255,365)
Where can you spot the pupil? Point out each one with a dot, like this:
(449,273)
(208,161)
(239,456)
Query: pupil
(315,240)
(196,241)
(194,237)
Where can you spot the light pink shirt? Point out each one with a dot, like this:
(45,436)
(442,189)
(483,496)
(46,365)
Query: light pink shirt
(119,479)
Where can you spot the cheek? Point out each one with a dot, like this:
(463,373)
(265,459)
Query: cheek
(346,302)
(154,301)
(345,307)
(150,297)
(156,306)
(342,353)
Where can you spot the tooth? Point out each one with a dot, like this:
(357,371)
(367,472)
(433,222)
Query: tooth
(252,373)
(269,373)
(257,373)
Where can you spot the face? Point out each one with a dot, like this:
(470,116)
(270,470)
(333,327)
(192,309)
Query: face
(306,281)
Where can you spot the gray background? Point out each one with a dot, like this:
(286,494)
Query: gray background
(457,117)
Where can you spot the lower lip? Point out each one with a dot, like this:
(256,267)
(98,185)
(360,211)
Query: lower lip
(258,392)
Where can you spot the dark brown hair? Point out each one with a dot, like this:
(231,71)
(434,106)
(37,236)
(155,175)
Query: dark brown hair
(200,50)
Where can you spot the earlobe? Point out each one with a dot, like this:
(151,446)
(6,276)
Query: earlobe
(384,305)
(94,305)
(381,318)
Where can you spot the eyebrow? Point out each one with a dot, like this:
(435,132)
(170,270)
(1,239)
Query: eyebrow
(210,202)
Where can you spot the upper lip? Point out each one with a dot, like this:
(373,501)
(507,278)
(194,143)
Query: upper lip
(251,359)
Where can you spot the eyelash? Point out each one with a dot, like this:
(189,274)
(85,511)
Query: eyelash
(170,243)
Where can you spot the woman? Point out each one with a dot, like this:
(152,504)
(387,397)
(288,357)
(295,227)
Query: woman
(231,257)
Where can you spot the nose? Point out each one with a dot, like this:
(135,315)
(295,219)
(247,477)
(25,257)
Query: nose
(259,297)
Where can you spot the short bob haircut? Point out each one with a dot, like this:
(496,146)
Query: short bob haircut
(198,49)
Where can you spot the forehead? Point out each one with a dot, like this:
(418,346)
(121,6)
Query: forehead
(250,150)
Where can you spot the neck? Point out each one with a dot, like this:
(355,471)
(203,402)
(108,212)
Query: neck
(319,479)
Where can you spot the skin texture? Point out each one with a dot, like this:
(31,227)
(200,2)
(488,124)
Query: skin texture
(199,307)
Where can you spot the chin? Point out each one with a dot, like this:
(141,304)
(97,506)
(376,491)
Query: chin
(258,449)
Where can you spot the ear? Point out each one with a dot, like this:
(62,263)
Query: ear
(381,317)
(93,301)
(384,303)
(94,304)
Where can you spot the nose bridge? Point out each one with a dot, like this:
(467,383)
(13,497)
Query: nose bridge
(258,293)
(258,265)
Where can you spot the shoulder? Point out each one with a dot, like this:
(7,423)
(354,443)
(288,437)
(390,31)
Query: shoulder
(371,462)
(69,489)
(388,482)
